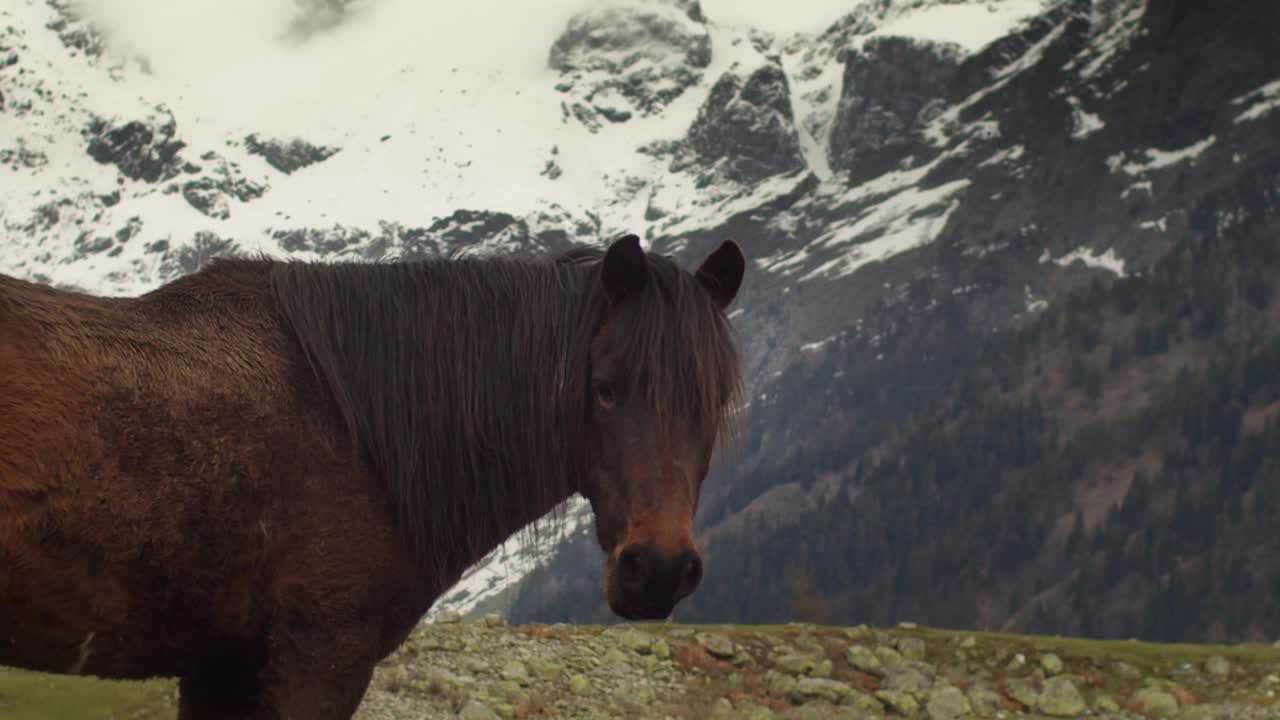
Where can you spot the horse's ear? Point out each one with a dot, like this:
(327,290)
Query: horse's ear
(624,271)
(721,273)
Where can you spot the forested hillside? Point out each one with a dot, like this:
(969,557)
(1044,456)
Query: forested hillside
(1110,467)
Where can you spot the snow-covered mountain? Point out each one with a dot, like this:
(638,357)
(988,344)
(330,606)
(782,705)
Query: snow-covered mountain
(642,118)
(982,156)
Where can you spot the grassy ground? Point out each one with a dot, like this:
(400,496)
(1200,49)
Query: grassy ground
(34,696)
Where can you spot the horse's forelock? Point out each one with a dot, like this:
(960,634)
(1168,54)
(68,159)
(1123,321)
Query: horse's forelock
(680,349)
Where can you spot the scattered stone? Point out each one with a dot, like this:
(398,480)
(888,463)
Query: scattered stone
(888,656)
(909,677)
(808,688)
(1060,698)
(516,672)
(1051,663)
(947,703)
(796,664)
(643,695)
(779,685)
(907,625)
(969,642)
(448,617)
(544,670)
(661,649)
(899,701)
(1126,671)
(583,672)
(816,710)
(866,707)
(912,648)
(985,702)
(751,711)
(721,709)
(494,620)
(476,710)
(1105,704)
(1020,690)
(1155,701)
(1217,666)
(1016,663)
(716,644)
(863,659)
(637,641)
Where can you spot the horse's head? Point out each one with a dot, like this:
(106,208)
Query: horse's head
(664,384)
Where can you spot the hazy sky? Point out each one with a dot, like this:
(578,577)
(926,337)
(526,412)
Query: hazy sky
(223,51)
(778,15)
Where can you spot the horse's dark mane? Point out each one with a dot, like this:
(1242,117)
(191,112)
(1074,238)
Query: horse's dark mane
(465,382)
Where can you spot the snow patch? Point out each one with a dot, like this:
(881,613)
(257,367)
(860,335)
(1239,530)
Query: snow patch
(1083,122)
(681,196)
(1261,102)
(510,562)
(1034,304)
(971,25)
(1112,36)
(817,345)
(1107,260)
(815,95)
(1003,156)
(940,128)
(1158,159)
(1157,225)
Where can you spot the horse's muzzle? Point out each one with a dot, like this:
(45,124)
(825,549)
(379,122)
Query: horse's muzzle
(650,583)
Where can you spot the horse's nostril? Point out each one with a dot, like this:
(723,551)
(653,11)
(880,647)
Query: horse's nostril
(629,558)
(631,568)
(691,575)
(643,572)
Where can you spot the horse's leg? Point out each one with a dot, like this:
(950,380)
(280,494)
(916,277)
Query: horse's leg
(223,692)
(318,671)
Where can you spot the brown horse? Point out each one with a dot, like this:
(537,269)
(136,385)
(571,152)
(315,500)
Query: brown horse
(257,478)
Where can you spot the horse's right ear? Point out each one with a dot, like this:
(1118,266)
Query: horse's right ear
(721,273)
(624,271)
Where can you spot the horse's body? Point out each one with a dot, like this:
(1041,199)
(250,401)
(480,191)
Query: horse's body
(210,481)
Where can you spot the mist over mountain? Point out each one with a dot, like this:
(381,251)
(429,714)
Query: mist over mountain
(1008,324)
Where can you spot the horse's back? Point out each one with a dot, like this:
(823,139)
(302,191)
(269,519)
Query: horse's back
(126,443)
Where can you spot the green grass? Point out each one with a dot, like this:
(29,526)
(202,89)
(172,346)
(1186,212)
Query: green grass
(35,696)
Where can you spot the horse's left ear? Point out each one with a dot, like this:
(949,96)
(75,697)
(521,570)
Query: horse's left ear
(721,273)
(624,270)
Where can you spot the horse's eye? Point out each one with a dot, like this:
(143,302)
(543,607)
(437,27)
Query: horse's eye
(606,393)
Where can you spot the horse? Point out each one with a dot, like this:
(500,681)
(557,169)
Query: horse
(257,477)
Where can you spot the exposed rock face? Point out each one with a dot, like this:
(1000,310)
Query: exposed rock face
(288,156)
(617,62)
(316,16)
(142,150)
(892,88)
(616,39)
(746,128)
(470,230)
